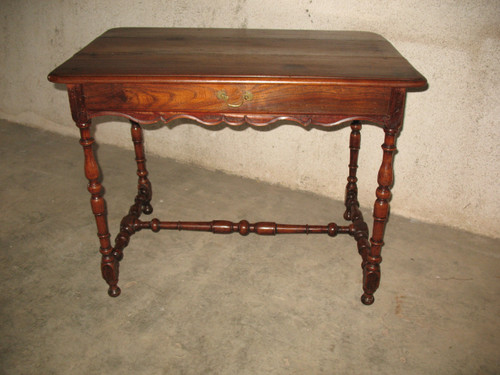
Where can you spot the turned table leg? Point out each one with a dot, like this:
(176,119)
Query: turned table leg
(109,264)
(371,270)
(353,212)
(351,189)
(144,185)
(142,203)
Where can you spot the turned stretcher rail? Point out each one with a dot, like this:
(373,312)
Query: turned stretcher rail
(243,227)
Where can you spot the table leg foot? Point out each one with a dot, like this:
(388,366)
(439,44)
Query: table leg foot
(367,299)
(371,282)
(109,269)
(114,292)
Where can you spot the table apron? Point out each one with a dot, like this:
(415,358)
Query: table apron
(237,98)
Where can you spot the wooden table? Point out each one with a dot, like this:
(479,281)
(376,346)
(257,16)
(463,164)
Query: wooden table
(231,76)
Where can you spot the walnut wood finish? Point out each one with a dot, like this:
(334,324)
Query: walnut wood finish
(143,198)
(243,227)
(235,77)
(351,190)
(164,55)
(144,189)
(279,98)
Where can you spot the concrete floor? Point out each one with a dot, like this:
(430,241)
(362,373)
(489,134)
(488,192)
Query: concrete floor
(198,303)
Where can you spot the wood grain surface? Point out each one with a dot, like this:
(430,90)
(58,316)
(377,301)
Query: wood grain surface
(170,54)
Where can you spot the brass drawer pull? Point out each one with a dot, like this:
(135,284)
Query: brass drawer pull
(247,96)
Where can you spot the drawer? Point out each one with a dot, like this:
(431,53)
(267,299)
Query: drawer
(257,98)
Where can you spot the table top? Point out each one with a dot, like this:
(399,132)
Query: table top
(163,55)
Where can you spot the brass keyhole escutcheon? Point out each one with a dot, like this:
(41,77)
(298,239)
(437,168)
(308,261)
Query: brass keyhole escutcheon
(222,95)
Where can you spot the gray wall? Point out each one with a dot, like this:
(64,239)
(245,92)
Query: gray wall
(448,167)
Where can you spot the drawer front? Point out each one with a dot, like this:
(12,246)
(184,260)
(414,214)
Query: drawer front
(238,98)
